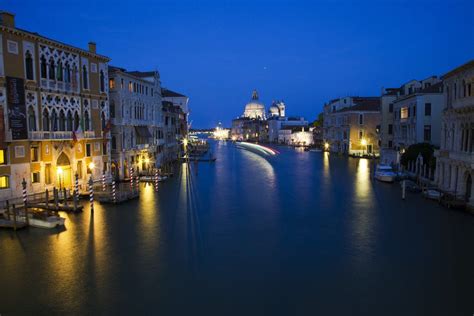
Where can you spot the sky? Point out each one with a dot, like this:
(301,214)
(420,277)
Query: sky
(302,52)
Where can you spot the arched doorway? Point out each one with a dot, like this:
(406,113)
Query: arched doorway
(63,171)
(468,187)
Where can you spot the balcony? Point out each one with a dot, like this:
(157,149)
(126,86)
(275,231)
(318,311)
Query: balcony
(63,135)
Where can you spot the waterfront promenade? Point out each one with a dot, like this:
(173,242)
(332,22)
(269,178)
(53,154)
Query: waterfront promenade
(301,233)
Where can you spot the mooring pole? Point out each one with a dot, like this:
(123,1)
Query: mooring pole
(91,193)
(76,191)
(156,180)
(113,191)
(25,201)
(103,181)
(131,179)
(403,189)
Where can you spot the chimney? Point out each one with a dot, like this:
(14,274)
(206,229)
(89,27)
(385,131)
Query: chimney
(92,47)
(7,19)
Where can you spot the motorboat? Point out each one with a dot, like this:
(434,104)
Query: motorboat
(385,173)
(45,219)
(432,194)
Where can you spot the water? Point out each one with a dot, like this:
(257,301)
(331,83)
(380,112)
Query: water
(301,233)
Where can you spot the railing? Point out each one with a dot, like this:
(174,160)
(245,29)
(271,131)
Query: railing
(67,135)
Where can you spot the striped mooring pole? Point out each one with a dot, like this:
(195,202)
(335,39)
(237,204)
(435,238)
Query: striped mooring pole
(156,180)
(131,179)
(76,184)
(113,191)
(103,181)
(25,201)
(137,179)
(91,193)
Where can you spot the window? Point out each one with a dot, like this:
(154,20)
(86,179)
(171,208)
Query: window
(390,108)
(29,66)
(35,177)
(43,67)
(62,121)
(404,113)
(104,148)
(52,69)
(88,150)
(34,153)
(130,86)
(390,129)
(31,119)
(121,83)
(111,83)
(3,156)
(114,143)
(19,151)
(87,124)
(427,109)
(47,173)
(85,80)
(67,73)
(4,182)
(45,120)
(414,110)
(427,133)
(361,119)
(361,134)
(97,147)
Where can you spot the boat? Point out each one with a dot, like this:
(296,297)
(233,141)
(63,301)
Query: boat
(432,194)
(315,150)
(45,219)
(411,186)
(385,173)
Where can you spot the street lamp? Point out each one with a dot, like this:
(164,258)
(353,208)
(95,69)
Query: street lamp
(326,146)
(60,172)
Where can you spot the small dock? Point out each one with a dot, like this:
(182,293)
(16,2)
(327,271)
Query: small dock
(5,223)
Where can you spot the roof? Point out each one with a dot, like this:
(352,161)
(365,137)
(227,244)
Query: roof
(143,74)
(469,64)
(391,91)
(436,88)
(367,105)
(171,94)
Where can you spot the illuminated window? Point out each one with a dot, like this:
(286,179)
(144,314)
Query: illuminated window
(34,153)
(4,182)
(3,153)
(130,86)
(111,83)
(404,113)
(35,177)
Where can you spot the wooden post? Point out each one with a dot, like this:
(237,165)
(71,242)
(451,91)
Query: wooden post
(76,190)
(103,181)
(7,204)
(403,189)
(156,180)
(14,217)
(91,193)
(25,201)
(131,179)
(46,195)
(65,197)
(56,198)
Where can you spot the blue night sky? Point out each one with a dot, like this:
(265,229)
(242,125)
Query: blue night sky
(303,52)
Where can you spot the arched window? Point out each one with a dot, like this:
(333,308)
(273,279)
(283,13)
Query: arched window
(60,71)
(85,80)
(45,120)
(102,81)
(43,66)
(455,94)
(86,121)
(62,121)
(69,121)
(114,143)
(67,73)
(31,119)
(52,68)
(29,66)
(54,121)
(464,89)
(76,121)
(102,118)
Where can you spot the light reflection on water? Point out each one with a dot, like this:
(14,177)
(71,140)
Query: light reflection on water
(289,235)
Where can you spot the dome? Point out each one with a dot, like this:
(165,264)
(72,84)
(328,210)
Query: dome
(254,109)
(274,111)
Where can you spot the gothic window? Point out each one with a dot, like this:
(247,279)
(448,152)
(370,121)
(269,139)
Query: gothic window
(29,66)
(45,120)
(67,73)
(60,71)
(62,121)
(52,68)
(43,68)
(76,121)
(86,121)
(69,121)
(85,80)
(102,81)
(54,121)
(31,119)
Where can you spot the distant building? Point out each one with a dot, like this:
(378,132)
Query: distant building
(276,123)
(255,109)
(351,125)
(455,159)
(296,136)
(136,114)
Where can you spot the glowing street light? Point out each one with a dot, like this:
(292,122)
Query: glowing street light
(364,142)
(326,146)
(92,166)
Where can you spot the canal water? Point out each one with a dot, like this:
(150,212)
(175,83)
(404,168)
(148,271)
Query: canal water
(301,233)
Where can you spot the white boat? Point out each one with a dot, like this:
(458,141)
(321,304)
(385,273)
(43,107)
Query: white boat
(385,173)
(432,194)
(44,219)
(315,150)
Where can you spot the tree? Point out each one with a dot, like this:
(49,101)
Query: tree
(411,154)
(318,123)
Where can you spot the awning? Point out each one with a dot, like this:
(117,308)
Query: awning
(143,131)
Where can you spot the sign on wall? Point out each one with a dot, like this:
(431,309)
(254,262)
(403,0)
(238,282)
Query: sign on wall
(17,107)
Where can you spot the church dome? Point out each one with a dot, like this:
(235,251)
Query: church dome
(274,111)
(254,109)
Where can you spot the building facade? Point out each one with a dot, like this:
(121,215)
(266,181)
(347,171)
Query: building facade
(137,139)
(54,109)
(455,159)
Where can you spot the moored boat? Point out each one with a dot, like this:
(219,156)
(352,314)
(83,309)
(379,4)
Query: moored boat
(385,173)
(45,219)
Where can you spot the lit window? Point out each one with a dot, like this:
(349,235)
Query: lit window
(111,83)
(404,113)
(4,182)
(35,177)
(2,157)
(34,154)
